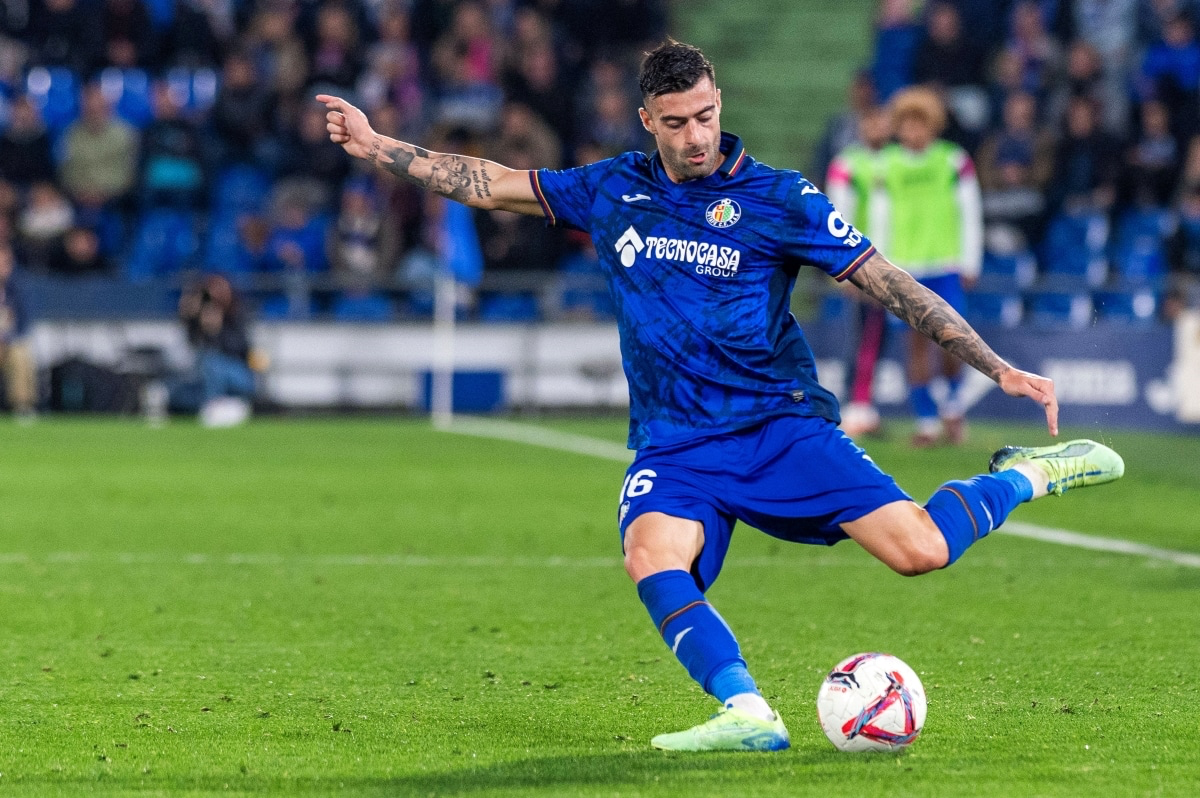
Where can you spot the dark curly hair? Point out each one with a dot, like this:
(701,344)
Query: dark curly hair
(671,67)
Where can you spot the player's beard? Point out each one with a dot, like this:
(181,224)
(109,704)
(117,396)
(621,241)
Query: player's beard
(678,161)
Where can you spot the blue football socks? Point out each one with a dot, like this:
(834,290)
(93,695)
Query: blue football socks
(696,634)
(967,510)
(922,402)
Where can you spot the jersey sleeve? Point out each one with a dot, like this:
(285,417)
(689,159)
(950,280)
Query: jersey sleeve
(817,234)
(567,195)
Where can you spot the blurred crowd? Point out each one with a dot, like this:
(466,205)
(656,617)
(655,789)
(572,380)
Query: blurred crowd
(147,138)
(1083,120)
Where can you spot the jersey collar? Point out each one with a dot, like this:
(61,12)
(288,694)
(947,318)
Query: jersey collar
(731,147)
(735,154)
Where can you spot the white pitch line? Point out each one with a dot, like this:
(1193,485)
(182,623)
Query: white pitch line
(582,444)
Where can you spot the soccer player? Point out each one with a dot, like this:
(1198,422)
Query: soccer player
(701,245)
(933,217)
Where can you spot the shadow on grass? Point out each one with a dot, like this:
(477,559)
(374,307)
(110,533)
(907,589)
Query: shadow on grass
(791,772)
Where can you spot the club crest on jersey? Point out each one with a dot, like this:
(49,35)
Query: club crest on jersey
(723,213)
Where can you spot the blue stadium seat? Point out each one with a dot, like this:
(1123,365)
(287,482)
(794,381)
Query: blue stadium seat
(55,92)
(372,306)
(164,243)
(1139,306)
(509,308)
(995,307)
(1059,309)
(1139,252)
(1008,271)
(241,188)
(194,89)
(1075,250)
(128,90)
(162,13)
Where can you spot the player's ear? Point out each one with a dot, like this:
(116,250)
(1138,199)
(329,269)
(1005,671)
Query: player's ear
(644,115)
(718,101)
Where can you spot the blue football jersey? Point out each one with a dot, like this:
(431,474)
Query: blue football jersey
(701,274)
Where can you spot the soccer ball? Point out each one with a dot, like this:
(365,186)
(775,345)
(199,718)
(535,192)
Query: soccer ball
(871,702)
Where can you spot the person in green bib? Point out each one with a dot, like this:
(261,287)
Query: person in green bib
(928,216)
(851,185)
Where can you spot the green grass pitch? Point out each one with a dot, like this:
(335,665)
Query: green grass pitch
(371,607)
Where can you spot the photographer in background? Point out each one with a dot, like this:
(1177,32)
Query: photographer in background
(216,327)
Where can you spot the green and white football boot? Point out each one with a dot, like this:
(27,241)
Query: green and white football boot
(1074,464)
(728,730)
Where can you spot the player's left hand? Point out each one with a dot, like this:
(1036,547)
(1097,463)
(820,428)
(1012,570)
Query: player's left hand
(1015,382)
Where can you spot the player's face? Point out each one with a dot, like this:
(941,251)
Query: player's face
(686,126)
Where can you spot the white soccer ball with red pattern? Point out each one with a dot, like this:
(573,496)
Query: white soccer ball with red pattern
(871,702)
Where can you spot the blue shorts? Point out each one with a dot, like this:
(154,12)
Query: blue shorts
(797,478)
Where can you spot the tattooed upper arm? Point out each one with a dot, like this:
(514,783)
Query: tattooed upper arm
(926,312)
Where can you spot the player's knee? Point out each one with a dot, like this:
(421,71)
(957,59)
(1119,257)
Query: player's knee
(920,555)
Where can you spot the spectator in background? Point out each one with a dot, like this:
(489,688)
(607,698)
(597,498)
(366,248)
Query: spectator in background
(1039,54)
(931,222)
(173,171)
(1151,167)
(362,243)
(277,51)
(465,66)
(898,34)
(946,56)
(536,81)
(77,254)
(1110,27)
(1014,205)
(100,156)
(1020,134)
(215,325)
(128,34)
(1185,249)
(523,130)
(1170,73)
(242,112)
(16,356)
(842,129)
(25,147)
(308,155)
(1086,162)
(854,178)
(1084,78)
(393,74)
(43,221)
(198,35)
(337,55)
(66,33)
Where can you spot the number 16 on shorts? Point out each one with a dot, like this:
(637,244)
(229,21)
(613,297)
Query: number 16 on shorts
(636,484)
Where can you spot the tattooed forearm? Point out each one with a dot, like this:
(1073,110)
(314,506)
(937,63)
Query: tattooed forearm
(449,175)
(927,313)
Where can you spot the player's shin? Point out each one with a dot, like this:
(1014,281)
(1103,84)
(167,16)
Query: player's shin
(700,639)
(967,510)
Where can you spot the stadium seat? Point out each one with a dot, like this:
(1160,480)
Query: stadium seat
(1059,309)
(55,92)
(369,307)
(241,188)
(509,308)
(995,307)
(1008,271)
(1138,306)
(164,243)
(194,89)
(128,90)
(1075,250)
(1139,253)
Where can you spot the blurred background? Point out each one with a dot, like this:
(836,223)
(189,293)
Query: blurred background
(175,226)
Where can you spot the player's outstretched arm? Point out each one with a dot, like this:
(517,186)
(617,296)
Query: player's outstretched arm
(930,315)
(471,181)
